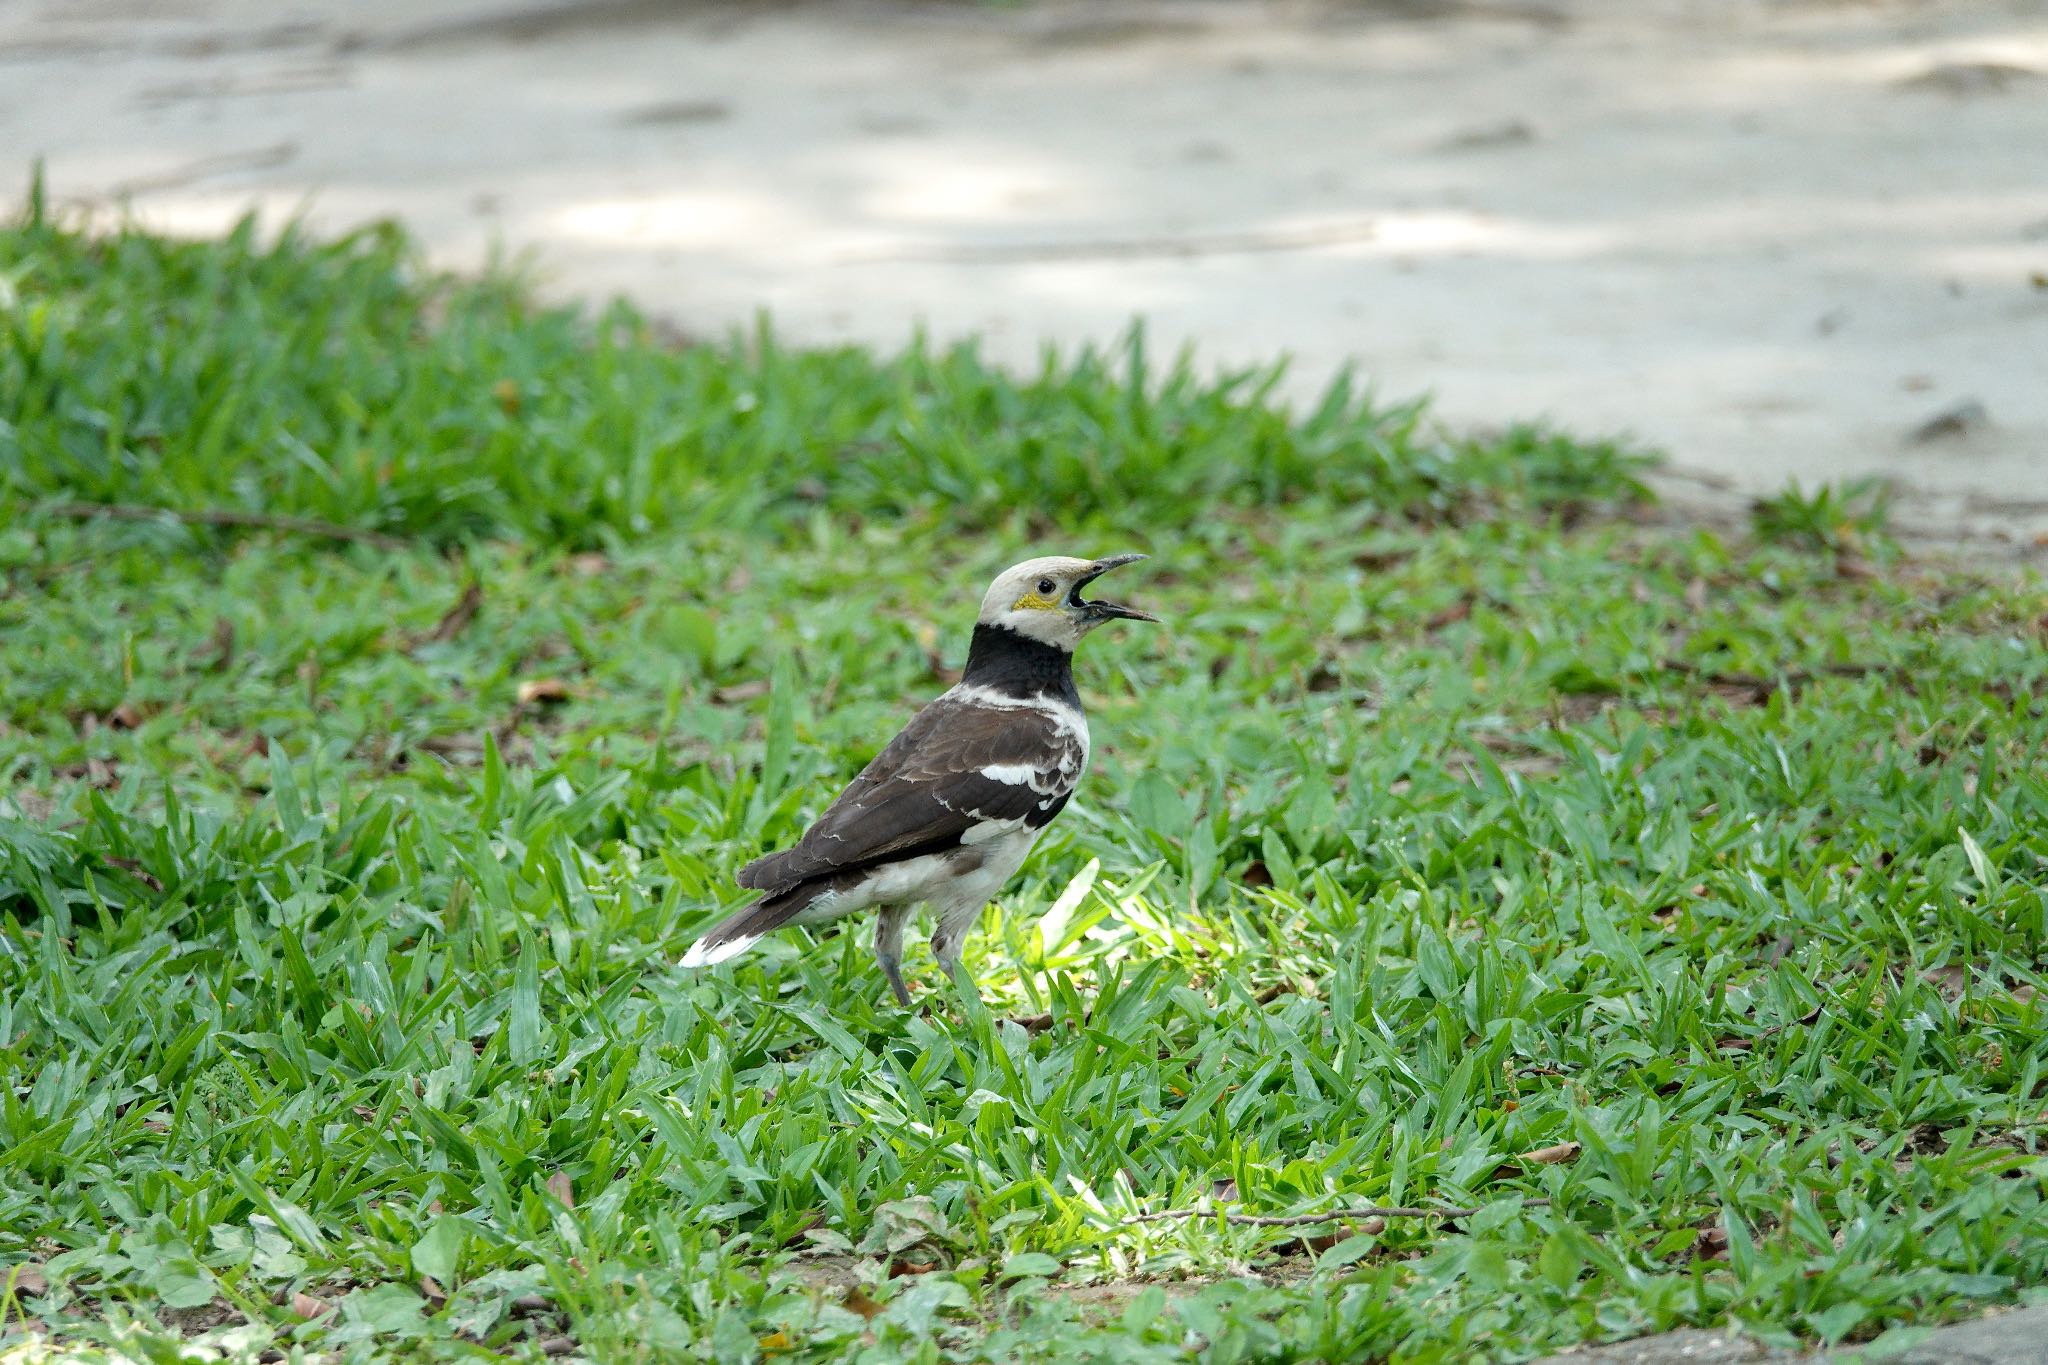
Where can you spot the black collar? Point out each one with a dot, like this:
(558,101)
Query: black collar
(1018,666)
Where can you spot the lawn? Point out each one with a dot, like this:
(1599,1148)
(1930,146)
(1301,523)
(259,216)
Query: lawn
(1661,910)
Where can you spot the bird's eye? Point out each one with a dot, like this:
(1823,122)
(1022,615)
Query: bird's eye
(1045,585)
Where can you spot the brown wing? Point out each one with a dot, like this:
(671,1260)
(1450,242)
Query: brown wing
(928,790)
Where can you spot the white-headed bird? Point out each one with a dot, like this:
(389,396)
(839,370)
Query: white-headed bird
(945,814)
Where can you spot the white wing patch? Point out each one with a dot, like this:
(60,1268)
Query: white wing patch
(1065,720)
(1042,781)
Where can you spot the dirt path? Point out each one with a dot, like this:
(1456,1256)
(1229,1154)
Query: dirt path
(1804,238)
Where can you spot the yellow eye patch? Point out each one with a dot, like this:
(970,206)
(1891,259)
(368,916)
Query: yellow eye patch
(1031,601)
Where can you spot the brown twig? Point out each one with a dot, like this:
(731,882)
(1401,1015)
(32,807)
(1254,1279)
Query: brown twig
(458,616)
(210,516)
(1291,1220)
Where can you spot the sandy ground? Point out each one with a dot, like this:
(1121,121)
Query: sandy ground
(1790,239)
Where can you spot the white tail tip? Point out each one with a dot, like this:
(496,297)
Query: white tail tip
(704,953)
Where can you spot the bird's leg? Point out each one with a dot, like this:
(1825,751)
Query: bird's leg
(889,949)
(949,938)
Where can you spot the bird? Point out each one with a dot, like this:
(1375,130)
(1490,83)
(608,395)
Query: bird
(946,812)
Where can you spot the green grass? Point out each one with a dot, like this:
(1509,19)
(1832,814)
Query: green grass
(1452,816)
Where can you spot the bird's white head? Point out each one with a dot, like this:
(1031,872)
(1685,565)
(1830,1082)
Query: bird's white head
(1040,599)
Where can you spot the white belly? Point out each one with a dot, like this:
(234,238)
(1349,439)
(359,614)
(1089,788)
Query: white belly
(1000,859)
(959,879)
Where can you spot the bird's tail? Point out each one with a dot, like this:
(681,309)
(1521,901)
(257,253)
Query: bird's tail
(745,927)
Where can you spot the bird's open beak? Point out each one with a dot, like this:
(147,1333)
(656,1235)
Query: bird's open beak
(1108,611)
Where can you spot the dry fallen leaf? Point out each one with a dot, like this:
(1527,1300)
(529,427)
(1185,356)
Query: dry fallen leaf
(1555,1155)
(26,1280)
(544,691)
(305,1306)
(741,691)
(560,1187)
(858,1302)
(589,564)
(1457,611)
(1711,1244)
(903,1265)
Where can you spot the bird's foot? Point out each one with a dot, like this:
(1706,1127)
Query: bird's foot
(892,970)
